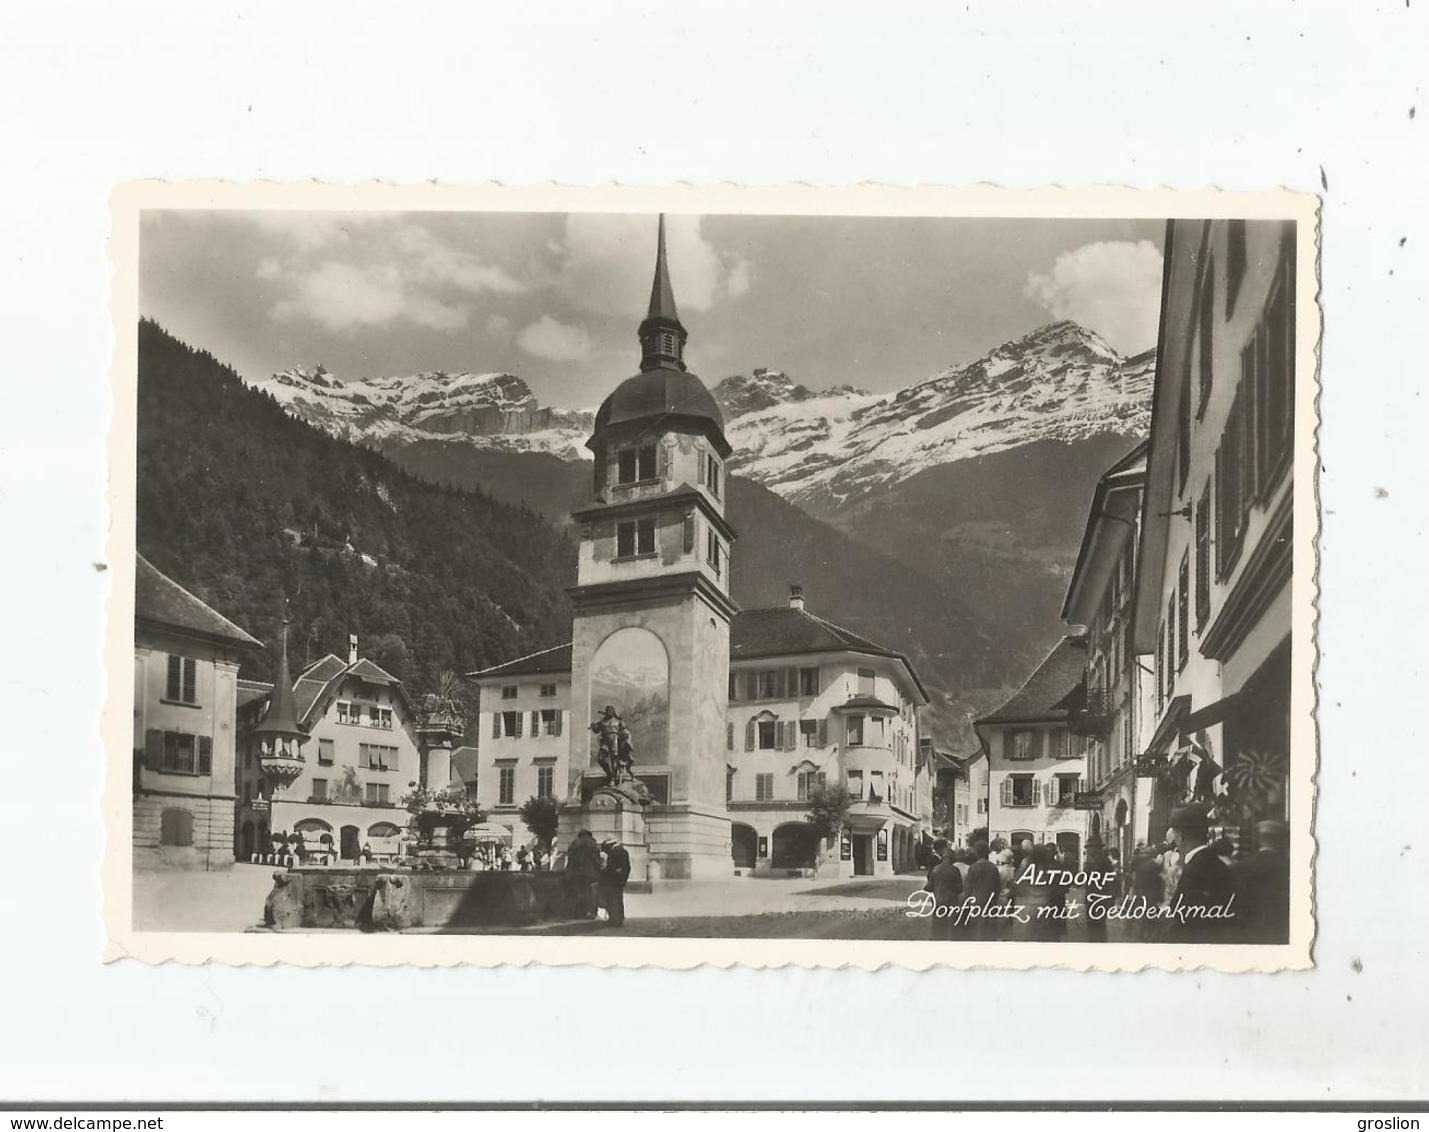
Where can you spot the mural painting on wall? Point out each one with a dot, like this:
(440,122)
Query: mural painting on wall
(631,672)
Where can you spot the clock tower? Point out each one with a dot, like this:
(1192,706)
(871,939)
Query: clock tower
(651,604)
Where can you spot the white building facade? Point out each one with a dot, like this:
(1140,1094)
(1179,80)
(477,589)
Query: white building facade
(1036,764)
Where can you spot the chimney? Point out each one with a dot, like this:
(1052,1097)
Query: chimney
(352,648)
(796,597)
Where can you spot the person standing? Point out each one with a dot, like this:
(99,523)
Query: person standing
(1262,881)
(582,869)
(612,881)
(945,882)
(980,893)
(1206,886)
(1101,890)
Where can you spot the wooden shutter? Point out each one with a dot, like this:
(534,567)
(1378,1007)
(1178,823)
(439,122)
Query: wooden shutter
(154,749)
(1007,790)
(535,723)
(749,735)
(729,736)
(1036,791)
(824,732)
(496,725)
(205,754)
(173,685)
(190,670)
(364,755)
(558,723)
(517,714)
(791,735)
(701,465)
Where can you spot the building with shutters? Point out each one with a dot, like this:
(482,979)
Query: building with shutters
(809,703)
(354,752)
(1036,762)
(1213,589)
(186,659)
(1099,603)
(523,749)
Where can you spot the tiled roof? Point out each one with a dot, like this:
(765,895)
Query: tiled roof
(784,629)
(1055,688)
(364,669)
(250,691)
(548,662)
(871,703)
(322,670)
(160,600)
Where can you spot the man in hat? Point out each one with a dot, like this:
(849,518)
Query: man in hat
(1205,894)
(612,881)
(1263,882)
(582,869)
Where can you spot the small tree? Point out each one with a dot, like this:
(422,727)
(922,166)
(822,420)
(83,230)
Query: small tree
(543,818)
(827,814)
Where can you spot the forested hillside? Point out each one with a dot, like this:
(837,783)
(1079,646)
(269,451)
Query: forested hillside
(244,505)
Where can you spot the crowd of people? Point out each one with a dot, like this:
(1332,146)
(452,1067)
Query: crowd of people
(1191,889)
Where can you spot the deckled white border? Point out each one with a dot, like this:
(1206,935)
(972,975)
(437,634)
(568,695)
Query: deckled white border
(330,949)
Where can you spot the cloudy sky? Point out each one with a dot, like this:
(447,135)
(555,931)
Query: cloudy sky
(875,302)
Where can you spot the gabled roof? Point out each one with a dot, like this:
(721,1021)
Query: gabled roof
(547,662)
(1054,689)
(161,601)
(250,691)
(786,630)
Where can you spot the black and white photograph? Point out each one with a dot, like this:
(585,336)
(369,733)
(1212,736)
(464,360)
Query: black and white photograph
(668,575)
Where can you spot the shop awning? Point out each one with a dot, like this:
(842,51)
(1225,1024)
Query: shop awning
(1217,712)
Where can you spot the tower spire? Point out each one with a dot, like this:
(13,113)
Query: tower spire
(281,718)
(662,338)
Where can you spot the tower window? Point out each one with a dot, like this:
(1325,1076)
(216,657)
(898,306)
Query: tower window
(635,464)
(712,553)
(712,476)
(632,539)
(667,343)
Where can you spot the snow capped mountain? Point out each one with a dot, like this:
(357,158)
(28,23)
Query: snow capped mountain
(488,410)
(766,388)
(1061,382)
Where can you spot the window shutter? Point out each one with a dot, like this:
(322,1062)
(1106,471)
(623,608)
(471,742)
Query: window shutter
(190,668)
(205,754)
(154,749)
(559,723)
(173,685)
(496,725)
(689,534)
(364,754)
(662,461)
(535,724)
(823,732)
(1007,791)
(1037,791)
(518,724)
(729,736)
(791,681)
(749,731)
(701,466)
(791,735)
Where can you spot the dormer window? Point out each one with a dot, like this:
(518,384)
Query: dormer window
(635,464)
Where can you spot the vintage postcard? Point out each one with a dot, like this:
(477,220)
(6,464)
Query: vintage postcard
(712,576)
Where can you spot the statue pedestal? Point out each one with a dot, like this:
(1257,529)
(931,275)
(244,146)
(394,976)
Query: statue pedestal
(613,811)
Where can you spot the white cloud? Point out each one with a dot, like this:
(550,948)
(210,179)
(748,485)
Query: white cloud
(433,261)
(1112,287)
(606,263)
(307,231)
(499,327)
(555,341)
(388,276)
(343,296)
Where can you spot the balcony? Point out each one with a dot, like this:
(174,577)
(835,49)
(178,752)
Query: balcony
(1095,717)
